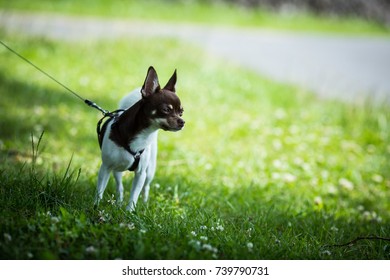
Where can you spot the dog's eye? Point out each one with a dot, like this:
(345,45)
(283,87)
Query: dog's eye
(181,112)
(167,109)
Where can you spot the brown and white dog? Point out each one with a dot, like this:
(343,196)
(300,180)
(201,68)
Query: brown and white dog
(129,140)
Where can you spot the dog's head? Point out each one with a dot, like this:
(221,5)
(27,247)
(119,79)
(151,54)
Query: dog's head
(162,105)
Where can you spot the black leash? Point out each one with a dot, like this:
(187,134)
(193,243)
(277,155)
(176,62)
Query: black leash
(99,129)
(86,101)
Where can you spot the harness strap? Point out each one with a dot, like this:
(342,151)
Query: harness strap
(136,156)
(101,129)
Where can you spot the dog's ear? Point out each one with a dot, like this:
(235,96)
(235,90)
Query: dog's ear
(151,84)
(171,83)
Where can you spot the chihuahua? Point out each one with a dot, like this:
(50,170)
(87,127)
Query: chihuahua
(128,140)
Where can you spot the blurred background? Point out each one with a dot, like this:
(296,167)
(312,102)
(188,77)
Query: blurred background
(375,10)
(286,147)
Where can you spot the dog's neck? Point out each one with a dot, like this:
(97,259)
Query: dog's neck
(133,128)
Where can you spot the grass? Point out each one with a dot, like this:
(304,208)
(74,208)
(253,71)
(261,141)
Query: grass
(202,12)
(261,170)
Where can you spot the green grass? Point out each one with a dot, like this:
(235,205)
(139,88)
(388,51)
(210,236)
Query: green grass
(201,12)
(261,170)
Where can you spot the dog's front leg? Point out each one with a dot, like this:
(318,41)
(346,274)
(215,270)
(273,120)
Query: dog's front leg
(104,175)
(138,183)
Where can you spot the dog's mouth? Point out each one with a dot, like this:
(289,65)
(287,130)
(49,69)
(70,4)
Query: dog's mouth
(172,128)
(172,125)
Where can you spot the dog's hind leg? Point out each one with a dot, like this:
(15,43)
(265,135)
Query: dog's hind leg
(119,186)
(103,176)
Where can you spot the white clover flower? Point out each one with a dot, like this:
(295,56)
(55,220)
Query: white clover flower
(377,178)
(7,237)
(220,228)
(275,176)
(90,250)
(360,208)
(332,189)
(318,200)
(208,247)
(333,228)
(130,226)
(280,114)
(203,227)
(203,238)
(367,215)
(326,252)
(193,233)
(289,178)
(346,184)
(277,163)
(112,200)
(249,245)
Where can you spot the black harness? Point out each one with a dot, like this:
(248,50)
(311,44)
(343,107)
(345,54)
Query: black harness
(101,130)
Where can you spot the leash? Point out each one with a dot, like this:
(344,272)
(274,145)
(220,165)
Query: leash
(106,114)
(86,101)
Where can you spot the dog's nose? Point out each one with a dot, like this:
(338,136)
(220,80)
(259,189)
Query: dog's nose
(180,122)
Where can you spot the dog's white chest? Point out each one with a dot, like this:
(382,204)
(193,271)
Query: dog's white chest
(118,159)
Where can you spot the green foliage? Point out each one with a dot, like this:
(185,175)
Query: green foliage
(203,12)
(261,170)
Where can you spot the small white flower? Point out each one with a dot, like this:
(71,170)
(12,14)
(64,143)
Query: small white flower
(54,220)
(193,233)
(366,215)
(203,238)
(142,231)
(90,250)
(289,178)
(30,255)
(277,144)
(333,228)
(130,226)
(203,227)
(7,237)
(280,114)
(208,247)
(332,189)
(249,245)
(360,208)
(326,252)
(377,178)
(157,185)
(220,228)
(346,184)
(112,200)
(318,200)
(277,164)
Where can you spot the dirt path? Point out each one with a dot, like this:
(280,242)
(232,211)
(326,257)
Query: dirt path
(350,68)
